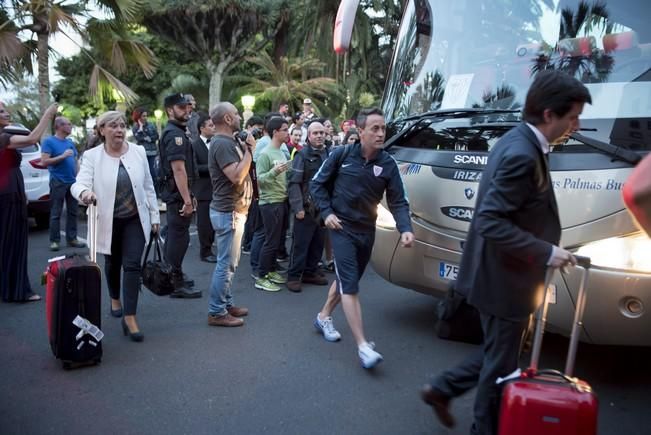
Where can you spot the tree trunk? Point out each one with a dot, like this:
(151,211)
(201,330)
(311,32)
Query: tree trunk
(43,58)
(281,40)
(43,73)
(216,82)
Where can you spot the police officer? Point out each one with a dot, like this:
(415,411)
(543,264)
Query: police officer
(179,171)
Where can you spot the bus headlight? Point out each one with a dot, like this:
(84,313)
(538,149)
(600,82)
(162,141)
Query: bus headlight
(385,218)
(629,253)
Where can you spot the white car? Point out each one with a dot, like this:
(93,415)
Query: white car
(37,180)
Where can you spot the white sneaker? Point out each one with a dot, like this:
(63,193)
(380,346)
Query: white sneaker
(327,328)
(368,356)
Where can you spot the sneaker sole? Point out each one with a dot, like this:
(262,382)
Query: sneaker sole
(267,289)
(318,328)
(370,366)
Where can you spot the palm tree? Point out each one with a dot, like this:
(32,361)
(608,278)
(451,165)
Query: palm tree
(288,81)
(45,18)
(593,66)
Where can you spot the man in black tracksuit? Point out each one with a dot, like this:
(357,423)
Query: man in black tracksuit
(309,234)
(179,171)
(347,190)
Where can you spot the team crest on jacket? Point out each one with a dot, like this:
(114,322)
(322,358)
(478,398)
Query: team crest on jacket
(178,141)
(377,170)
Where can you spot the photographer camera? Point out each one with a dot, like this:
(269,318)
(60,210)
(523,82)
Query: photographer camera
(247,139)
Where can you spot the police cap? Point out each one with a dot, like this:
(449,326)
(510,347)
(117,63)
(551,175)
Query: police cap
(175,100)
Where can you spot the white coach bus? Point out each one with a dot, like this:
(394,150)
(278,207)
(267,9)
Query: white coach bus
(457,82)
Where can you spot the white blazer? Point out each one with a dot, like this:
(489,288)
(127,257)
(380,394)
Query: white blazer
(99,174)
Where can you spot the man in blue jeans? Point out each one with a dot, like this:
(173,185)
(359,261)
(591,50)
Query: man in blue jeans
(229,162)
(59,154)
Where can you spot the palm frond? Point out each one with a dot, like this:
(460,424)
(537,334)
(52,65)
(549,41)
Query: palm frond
(103,82)
(60,15)
(122,10)
(10,45)
(119,48)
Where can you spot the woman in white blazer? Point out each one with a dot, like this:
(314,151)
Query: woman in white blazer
(116,176)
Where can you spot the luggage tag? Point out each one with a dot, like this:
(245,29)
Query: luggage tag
(515,375)
(87,328)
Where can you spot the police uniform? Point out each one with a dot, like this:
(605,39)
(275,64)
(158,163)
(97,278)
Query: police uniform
(175,145)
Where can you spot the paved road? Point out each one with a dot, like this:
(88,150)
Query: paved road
(275,375)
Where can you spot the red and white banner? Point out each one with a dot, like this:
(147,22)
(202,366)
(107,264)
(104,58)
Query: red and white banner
(344,25)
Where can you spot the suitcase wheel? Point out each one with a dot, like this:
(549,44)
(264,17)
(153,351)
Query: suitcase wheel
(67,365)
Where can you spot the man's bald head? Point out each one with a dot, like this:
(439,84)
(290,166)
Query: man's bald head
(316,134)
(62,126)
(225,116)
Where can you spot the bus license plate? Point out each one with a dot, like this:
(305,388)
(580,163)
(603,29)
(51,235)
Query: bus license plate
(448,271)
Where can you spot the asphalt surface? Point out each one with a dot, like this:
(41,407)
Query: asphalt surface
(275,375)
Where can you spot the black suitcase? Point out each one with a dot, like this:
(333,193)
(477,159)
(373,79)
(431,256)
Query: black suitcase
(73,306)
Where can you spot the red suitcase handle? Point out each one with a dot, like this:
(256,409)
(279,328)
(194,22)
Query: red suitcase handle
(541,320)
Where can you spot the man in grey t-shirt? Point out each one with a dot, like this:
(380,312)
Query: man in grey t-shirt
(229,162)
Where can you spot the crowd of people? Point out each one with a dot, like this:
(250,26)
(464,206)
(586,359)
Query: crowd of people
(252,185)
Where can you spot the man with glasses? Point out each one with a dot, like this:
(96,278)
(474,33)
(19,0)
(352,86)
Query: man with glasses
(271,167)
(309,234)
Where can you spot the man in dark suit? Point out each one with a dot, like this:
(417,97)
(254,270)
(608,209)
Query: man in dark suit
(514,236)
(202,188)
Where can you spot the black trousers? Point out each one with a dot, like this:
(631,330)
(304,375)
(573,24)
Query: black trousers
(127,245)
(204,228)
(273,216)
(178,237)
(307,247)
(282,248)
(498,357)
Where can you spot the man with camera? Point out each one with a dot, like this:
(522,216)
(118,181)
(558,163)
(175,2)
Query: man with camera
(229,162)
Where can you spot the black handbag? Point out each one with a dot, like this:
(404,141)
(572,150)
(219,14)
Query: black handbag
(457,320)
(156,273)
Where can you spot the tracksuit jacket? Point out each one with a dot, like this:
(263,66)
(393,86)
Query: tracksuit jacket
(352,188)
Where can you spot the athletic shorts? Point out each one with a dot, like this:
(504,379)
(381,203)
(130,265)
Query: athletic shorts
(352,254)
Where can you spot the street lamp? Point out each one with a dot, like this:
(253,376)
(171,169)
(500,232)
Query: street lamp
(248,101)
(158,114)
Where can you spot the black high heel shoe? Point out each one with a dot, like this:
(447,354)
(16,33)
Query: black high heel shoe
(116,313)
(134,336)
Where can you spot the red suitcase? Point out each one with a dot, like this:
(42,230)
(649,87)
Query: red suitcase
(73,305)
(542,402)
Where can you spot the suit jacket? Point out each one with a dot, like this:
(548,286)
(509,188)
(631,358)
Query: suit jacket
(99,173)
(511,235)
(202,186)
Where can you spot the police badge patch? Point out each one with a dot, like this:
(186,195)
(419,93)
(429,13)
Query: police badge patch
(377,170)
(178,141)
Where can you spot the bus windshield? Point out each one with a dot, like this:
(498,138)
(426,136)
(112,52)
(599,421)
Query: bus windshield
(484,54)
